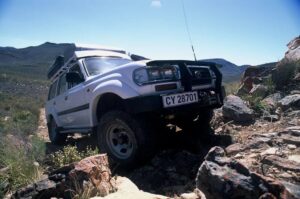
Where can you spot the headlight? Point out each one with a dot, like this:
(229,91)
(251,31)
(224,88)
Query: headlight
(143,76)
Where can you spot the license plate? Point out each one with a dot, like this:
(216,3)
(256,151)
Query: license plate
(180,99)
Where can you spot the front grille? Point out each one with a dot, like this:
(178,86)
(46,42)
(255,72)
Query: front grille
(200,76)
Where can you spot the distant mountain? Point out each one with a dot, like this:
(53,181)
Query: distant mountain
(230,71)
(31,55)
(35,61)
(30,61)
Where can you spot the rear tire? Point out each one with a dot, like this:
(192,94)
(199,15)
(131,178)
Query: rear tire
(126,139)
(54,135)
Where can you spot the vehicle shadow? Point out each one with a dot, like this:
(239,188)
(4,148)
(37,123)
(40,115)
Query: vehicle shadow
(174,167)
(82,142)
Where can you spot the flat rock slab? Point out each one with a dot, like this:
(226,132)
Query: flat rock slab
(281,163)
(295,158)
(288,139)
(290,101)
(252,144)
(128,190)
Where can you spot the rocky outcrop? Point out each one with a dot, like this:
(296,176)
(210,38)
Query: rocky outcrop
(223,177)
(293,53)
(235,109)
(286,73)
(91,173)
(254,75)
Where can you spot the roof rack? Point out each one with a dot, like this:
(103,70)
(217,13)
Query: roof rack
(59,64)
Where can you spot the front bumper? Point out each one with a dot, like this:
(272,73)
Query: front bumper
(154,103)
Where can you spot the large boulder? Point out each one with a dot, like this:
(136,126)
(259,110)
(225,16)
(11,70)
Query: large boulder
(94,170)
(223,177)
(272,100)
(91,173)
(236,109)
(290,101)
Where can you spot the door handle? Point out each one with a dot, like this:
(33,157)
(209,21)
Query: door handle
(66,97)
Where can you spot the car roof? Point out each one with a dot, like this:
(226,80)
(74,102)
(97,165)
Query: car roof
(99,53)
(80,47)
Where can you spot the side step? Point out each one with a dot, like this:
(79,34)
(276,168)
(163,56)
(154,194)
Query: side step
(75,130)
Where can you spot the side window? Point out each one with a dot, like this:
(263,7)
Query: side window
(52,90)
(62,85)
(75,68)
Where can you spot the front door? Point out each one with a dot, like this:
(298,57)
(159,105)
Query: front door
(74,105)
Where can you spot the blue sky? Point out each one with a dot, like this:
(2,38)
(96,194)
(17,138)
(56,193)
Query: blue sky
(241,31)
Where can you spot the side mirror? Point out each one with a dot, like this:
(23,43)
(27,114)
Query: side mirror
(74,77)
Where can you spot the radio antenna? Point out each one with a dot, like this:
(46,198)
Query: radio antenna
(187,29)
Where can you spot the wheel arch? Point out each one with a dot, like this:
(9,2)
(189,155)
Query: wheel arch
(115,90)
(104,103)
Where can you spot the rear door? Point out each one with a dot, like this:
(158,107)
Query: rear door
(60,102)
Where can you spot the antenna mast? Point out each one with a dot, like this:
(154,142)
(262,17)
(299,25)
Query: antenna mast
(187,29)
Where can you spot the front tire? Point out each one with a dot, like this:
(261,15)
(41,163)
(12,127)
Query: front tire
(54,135)
(124,138)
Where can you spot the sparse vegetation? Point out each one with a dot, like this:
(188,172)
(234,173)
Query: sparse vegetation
(256,103)
(70,154)
(231,88)
(285,71)
(19,158)
(85,192)
(21,151)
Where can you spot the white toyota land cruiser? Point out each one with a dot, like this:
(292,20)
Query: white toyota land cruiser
(104,91)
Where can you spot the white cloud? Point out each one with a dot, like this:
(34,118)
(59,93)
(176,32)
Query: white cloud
(156,3)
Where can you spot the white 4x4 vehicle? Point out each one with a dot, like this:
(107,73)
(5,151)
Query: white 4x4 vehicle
(104,91)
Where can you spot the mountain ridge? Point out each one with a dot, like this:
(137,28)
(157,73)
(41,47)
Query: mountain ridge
(39,58)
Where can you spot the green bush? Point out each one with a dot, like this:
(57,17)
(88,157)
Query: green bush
(22,113)
(70,154)
(256,103)
(284,73)
(231,88)
(270,84)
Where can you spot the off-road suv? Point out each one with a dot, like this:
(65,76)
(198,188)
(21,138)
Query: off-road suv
(122,100)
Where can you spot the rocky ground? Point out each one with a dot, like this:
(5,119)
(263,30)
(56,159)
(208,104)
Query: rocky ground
(253,151)
(264,148)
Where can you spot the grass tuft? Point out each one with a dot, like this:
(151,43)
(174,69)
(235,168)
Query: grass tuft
(70,154)
(20,158)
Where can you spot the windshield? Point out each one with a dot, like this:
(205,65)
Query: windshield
(100,65)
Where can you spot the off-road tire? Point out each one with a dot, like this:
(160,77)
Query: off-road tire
(138,133)
(54,135)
